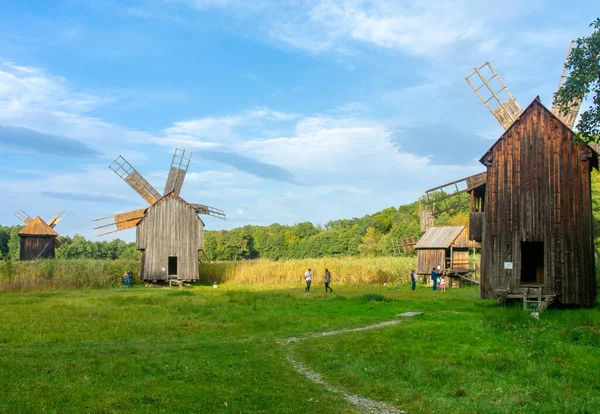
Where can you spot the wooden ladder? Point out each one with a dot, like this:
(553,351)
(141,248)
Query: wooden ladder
(537,300)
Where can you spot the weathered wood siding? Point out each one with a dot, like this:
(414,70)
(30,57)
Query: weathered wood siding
(460,259)
(538,190)
(430,258)
(171,227)
(476,220)
(36,247)
(462,241)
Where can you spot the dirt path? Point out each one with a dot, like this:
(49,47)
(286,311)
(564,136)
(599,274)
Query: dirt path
(365,404)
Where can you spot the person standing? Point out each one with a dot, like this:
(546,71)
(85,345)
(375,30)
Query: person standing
(327,280)
(443,284)
(434,278)
(308,279)
(413,280)
(129,278)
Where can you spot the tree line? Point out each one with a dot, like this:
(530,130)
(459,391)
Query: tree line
(76,247)
(371,235)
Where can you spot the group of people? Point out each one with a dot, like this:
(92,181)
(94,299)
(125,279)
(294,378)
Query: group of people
(434,279)
(128,278)
(326,280)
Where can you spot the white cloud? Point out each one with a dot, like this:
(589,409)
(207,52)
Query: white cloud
(32,98)
(417,27)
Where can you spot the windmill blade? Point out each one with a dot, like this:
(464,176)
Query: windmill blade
(569,117)
(23,216)
(501,102)
(442,193)
(210,211)
(123,169)
(408,243)
(179,167)
(56,218)
(118,222)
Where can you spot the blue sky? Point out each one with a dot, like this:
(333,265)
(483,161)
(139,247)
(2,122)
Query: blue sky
(294,111)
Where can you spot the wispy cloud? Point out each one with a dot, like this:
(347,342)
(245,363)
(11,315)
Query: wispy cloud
(421,28)
(31,98)
(86,197)
(249,165)
(28,140)
(211,132)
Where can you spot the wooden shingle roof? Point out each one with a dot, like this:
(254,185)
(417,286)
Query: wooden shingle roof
(37,227)
(439,237)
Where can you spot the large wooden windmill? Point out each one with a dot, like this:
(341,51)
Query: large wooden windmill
(38,239)
(533,211)
(168,232)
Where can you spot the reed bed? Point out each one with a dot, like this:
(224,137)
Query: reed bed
(59,274)
(347,270)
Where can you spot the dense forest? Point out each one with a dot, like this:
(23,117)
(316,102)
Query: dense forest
(371,235)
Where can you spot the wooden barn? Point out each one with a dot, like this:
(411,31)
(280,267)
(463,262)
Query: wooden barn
(534,215)
(446,249)
(170,235)
(37,240)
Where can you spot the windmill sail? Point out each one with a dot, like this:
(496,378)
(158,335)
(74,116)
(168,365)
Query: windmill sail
(118,222)
(55,219)
(210,211)
(123,169)
(441,194)
(23,216)
(501,102)
(179,167)
(569,117)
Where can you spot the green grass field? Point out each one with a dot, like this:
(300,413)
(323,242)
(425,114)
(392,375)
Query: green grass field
(200,350)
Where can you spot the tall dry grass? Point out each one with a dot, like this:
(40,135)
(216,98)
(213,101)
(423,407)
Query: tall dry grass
(345,270)
(64,274)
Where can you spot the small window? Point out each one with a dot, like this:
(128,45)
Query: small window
(172,265)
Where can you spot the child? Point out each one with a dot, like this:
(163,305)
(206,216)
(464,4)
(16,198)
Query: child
(443,284)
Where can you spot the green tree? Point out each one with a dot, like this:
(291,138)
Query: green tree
(584,77)
(369,243)
(13,243)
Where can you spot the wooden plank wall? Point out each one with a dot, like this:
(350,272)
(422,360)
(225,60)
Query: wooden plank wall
(462,241)
(460,259)
(429,258)
(31,246)
(538,190)
(476,220)
(171,228)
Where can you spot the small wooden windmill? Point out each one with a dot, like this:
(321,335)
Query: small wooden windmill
(38,240)
(533,212)
(168,232)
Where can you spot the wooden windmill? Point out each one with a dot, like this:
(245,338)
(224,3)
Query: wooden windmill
(168,232)
(533,211)
(38,239)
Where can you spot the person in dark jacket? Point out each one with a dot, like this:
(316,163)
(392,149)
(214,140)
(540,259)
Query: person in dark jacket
(434,278)
(327,280)
(413,280)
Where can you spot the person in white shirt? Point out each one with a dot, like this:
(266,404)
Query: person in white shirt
(308,279)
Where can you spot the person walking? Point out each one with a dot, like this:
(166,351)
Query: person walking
(434,278)
(413,280)
(308,279)
(327,280)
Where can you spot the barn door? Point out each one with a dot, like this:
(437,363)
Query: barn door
(172,265)
(532,263)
